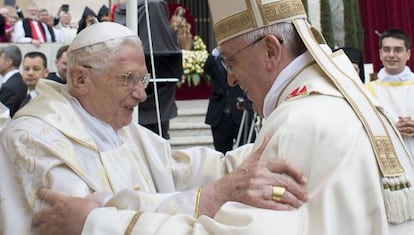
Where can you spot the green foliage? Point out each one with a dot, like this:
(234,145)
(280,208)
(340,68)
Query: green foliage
(326,23)
(352,24)
(305,4)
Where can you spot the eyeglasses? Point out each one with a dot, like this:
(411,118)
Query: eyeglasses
(396,50)
(131,80)
(226,60)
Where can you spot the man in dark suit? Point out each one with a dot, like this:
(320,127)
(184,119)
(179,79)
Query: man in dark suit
(13,90)
(223,114)
(167,63)
(61,62)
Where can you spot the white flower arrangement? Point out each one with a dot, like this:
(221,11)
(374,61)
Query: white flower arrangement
(193,62)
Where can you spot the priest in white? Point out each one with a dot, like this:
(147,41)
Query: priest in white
(394,87)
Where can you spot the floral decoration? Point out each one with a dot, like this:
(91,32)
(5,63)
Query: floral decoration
(193,62)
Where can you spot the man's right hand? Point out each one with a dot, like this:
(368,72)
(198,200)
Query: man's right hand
(252,184)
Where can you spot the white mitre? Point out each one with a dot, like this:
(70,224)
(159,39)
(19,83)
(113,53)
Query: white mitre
(98,33)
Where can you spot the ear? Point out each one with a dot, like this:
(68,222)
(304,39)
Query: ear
(78,80)
(273,51)
(46,72)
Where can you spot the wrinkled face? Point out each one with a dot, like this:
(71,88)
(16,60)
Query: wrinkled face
(33,70)
(110,98)
(394,55)
(245,64)
(62,65)
(33,12)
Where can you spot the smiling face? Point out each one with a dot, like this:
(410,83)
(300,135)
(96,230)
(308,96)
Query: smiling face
(254,68)
(105,95)
(394,55)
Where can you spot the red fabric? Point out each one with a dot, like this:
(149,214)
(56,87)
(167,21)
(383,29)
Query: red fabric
(188,16)
(40,37)
(380,15)
(184,92)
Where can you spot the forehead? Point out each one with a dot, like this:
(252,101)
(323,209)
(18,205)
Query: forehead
(231,45)
(33,61)
(390,41)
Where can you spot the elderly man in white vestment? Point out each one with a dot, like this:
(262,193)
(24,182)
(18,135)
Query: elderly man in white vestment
(317,115)
(394,87)
(78,139)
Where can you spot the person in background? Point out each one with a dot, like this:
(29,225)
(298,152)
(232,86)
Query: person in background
(103,14)
(223,114)
(47,21)
(34,68)
(79,139)
(3,35)
(167,63)
(8,25)
(394,87)
(65,25)
(355,55)
(31,30)
(61,63)
(88,18)
(13,90)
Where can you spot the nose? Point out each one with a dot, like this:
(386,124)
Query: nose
(138,92)
(231,80)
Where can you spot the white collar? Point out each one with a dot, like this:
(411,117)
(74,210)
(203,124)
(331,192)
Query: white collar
(104,136)
(285,75)
(405,75)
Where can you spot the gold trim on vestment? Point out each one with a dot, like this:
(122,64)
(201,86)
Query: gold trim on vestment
(236,23)
(389,163)
(197,204)
(131,225)
(280,10)
(270,13)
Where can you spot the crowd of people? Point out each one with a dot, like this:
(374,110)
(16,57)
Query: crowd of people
(38,25)
(329,159)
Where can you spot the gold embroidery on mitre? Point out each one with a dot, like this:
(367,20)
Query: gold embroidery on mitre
(387,158)
(236,23)
(279,10)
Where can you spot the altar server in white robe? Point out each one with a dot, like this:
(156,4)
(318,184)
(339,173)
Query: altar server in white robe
(394,87)
(78,139)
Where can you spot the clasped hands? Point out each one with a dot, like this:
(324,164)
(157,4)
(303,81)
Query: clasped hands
(405,126)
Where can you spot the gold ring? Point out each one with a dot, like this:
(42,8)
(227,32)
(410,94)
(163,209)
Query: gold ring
(277,193)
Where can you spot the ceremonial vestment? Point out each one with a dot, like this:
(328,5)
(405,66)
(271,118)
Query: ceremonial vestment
(48,144)
(396,94)
(305,113)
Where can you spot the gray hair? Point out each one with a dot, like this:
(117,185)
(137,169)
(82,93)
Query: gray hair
(98,56)
(284,31)
(13,53)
